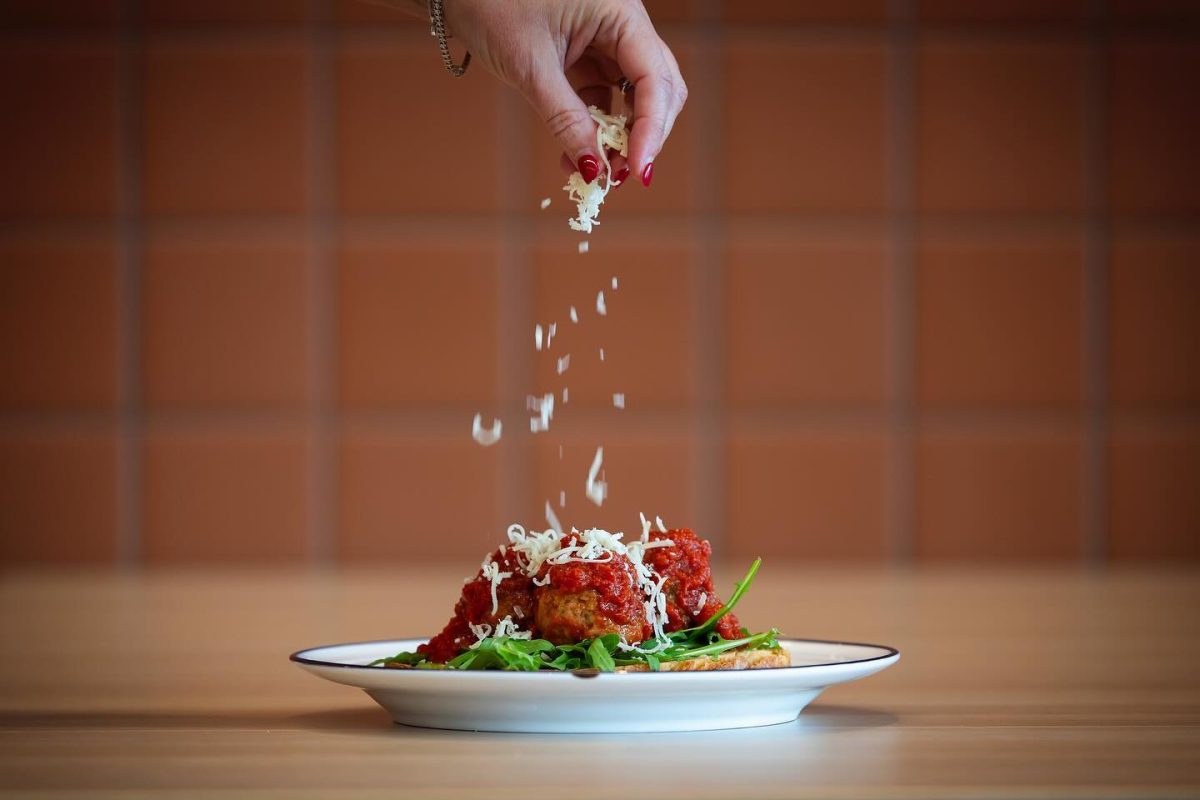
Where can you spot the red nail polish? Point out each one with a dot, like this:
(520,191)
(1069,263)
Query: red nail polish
(648,174)
(589,168)
(623,175)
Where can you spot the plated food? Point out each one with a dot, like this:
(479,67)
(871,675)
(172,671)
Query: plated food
(588,600)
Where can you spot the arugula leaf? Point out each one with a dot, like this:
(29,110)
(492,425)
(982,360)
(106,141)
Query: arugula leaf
(408,659)
(599,657)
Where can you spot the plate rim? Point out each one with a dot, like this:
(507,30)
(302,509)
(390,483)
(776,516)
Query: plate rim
(299,657)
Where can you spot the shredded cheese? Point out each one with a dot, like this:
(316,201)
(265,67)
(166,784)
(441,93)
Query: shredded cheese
(614,283)
(544,406)
(491,570)
(535,549)
(563,364)
(545,203)
(701,601)
(537,336)
(583,247)
(596,490)
(485,436)
(552,519)
(601,353)
(562,499)
(611,134)
(661,528)
(601,309)
(574,315)
(619,400)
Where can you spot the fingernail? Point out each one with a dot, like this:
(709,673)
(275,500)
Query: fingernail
(648,174)
(589,168)
(622,175)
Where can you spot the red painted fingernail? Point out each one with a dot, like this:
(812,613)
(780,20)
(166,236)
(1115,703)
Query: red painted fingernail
(648,174)
(622,175)
(589,168)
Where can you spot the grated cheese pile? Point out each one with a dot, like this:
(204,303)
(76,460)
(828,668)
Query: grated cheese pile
(611,134)
(535,549)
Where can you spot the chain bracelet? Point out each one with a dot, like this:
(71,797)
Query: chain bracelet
(437,27)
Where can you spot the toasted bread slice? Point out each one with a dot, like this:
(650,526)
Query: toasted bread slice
(734,659)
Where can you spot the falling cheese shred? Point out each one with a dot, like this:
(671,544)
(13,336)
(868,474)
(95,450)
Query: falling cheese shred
(485,436)
(595,488)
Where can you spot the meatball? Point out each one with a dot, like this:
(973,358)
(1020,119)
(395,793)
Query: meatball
(567,617)
(586,599)
(691,599)
(514,598)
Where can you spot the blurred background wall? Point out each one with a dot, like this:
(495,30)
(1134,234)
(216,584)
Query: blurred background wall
(915,280)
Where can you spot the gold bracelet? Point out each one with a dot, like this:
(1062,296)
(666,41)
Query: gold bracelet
(437,27)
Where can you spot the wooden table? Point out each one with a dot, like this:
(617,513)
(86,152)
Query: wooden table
(1031,683)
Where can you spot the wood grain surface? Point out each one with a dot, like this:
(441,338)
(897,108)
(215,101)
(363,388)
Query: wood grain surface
(1021,683)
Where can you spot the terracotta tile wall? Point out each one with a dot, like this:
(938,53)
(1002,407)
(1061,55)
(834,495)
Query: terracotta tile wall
(916,280)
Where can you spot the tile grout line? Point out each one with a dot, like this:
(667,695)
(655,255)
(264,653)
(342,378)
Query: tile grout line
(709,484)
(901,494)
(321,291)
(129,467)
(1095,310)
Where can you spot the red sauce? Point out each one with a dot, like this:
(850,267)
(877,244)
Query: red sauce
(514,597)
(614,583)
(684,565)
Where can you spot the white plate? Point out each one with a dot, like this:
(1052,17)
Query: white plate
(558,702)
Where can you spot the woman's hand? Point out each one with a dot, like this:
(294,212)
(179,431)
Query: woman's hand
(564,55)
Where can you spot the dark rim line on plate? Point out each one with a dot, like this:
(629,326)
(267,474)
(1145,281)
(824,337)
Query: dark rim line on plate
(300,658)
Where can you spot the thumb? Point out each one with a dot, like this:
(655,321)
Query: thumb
(567,118)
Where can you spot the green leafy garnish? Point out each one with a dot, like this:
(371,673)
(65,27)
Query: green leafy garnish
(601,653)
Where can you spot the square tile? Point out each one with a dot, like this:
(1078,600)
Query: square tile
(225,128)
(192,12)
(1153,505)
(224,496)
(1157,11)
(60,131)
(1154,332)
(874,12)
(999,495)
(650,474)
(224,323)
(66,13)
(807,323)
(819,494)
(417,325)
(661,11)
(1000,125)
(792,159)
(58,497)
(1000,322)
(409,138)
(411,498)
(1008,11)
(1153,115)
(646,332)
(375,12)
(674,188)
(58,324)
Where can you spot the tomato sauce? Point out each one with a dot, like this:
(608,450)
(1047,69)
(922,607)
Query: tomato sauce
(684,566)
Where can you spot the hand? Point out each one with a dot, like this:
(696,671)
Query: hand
(564,55)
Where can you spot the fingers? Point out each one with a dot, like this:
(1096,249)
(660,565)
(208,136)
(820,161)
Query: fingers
(566,116)
(659,94)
